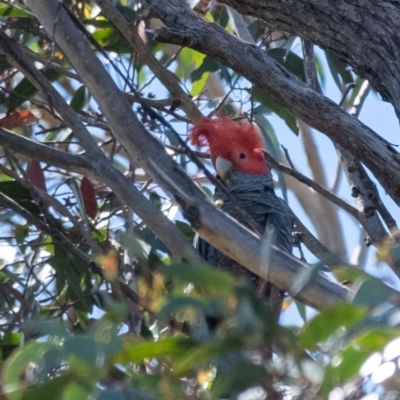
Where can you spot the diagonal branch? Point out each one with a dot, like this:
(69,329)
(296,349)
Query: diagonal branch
(30,148)
(358,179)
(212,224)
(363,35)
(284,88)
(312,184)
(166,77)
(171,236)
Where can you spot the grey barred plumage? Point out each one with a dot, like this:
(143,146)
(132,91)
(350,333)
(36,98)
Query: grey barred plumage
(237,155)
(254,194)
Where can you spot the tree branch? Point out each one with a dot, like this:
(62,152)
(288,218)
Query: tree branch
(167,78)
(171,236)
(284,88)
(312,184)
(363,36)
(212,224)
(357,177)
(30,148)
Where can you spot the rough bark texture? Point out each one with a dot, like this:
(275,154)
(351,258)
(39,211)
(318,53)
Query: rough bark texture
(363,33)
(190,30)
(214,226)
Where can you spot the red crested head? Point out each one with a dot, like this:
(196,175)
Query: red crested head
(240,144)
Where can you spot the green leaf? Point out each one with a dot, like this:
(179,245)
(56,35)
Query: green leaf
(21,195)
(304,277)
(202,353)
(191,59)
(16,364)
(325,324)
(82,347)
(79,390)
(301,308)
(272,143)
(52,327)
(339,70)
(78,101)
(237,379)
(352,360)
(98,23)
(209,64)
(25,90)
(133,246)
(163,348)
(201,276)
(329,382)
(16,11)
(120,47)
(371,293)
(155,199)
(124,394)
(282,112)
(186,229)
(9,343)
(207,191)
(74,271)
(208,308)
(105,34)
(375,339)
(50,390)
(148,236)
(127,12)
(291,61)
(21,232)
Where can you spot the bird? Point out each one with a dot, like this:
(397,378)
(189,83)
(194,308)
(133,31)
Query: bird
(236,151)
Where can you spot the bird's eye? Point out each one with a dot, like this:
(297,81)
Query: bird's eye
(242,155)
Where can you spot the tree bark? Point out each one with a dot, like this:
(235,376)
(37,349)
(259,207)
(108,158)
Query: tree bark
(212,224)
(363,33)
(188,29)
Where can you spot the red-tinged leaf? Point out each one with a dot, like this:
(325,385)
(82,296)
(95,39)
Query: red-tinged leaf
(89,197)
(17,119)
(35,175)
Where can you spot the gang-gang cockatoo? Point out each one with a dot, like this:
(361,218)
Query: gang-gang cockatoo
(236,152)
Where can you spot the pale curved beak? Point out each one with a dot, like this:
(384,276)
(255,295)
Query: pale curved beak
(223,167)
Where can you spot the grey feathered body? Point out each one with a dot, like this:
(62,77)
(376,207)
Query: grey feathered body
(254,194)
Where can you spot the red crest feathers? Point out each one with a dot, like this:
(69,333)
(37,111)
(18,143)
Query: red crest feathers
(222,131)
(228,139)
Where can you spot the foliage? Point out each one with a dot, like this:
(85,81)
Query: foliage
(93,305)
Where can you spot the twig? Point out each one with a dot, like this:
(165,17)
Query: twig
(212,224)
(288,157)
(318,249)
(100,167)
(187,28)
(329,230)
(349,87)
(47,199)
(316,186)
(188,151)
(309,65)
(144,54)
(383,211)
(180,150)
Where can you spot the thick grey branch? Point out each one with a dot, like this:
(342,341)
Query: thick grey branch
(213,225)
(30,148)
(101,167)
(284,88)
(365,35)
